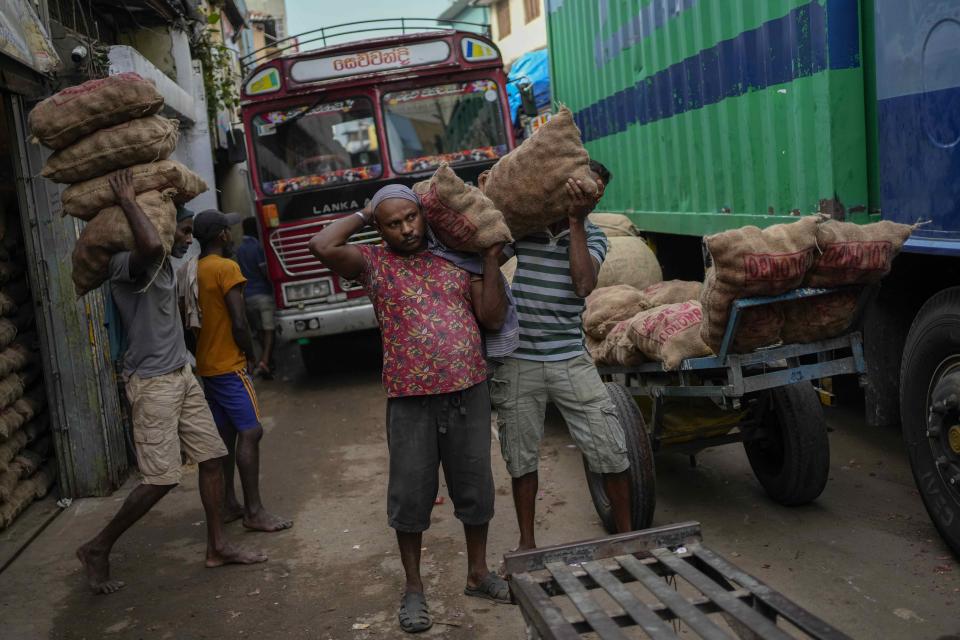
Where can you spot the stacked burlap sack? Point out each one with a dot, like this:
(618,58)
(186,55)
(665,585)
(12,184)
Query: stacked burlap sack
(95,129)
(811,252)
(626,326)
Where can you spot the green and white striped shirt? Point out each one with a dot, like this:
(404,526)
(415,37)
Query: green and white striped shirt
(547,305)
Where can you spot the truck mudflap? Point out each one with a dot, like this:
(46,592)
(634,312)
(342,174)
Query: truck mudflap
(325,320)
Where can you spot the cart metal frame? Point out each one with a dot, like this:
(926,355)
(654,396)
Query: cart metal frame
(652,557)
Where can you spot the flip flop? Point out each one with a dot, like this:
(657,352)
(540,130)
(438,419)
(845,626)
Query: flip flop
(414,616)
(492,587)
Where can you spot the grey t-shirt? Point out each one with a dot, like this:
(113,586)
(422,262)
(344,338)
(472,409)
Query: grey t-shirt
(150,317)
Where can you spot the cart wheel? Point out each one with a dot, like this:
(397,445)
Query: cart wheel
(791,456)
(640,452)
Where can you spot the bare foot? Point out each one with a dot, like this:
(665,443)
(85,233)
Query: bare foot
(232,555)
(97,565)
(232,512)
(263,521)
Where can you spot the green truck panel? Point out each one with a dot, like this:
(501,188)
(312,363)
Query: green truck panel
(712,115)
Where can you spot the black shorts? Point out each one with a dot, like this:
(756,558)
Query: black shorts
(425,432)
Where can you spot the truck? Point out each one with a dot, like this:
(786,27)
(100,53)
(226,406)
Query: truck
(327,127)
(714,115)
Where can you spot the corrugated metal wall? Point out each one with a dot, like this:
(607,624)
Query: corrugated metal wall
(712,114)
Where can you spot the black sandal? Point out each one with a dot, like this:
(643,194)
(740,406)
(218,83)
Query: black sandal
(492,587)
(414,615)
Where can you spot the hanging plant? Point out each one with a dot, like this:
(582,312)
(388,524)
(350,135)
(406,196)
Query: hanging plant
(216,61)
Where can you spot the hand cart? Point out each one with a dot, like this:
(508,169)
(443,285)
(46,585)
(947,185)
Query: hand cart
(776,411)
(648,584)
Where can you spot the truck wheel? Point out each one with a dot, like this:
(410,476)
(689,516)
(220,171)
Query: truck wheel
(791,454)
(930,410)
(640,452)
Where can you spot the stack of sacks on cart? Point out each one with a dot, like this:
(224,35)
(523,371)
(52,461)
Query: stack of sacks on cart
(95,129)
(669,321)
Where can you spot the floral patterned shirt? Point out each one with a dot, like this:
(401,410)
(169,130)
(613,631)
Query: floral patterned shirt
(431,339)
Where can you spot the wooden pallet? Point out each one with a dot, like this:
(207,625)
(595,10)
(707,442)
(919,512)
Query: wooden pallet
(649,584)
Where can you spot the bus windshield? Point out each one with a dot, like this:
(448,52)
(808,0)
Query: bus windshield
(455,123)
(316,145)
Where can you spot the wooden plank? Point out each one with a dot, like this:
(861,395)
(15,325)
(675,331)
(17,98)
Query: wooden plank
(797,615)
(679,605)
(545,616)
(598,619)
(650,622)
(735,607)
(683,533)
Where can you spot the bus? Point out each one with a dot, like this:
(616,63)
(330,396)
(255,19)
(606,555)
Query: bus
(326,128)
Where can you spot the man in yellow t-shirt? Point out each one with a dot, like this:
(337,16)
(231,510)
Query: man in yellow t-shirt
(224,355)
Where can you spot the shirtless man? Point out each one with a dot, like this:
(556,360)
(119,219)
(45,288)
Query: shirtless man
(169,411)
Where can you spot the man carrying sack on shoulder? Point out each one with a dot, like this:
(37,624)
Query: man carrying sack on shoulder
(438,409)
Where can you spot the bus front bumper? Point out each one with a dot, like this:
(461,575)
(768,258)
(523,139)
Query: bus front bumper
(325,320)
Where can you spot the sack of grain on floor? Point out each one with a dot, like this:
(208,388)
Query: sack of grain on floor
(669,333)
(618,349)
(758,327)
(819,317)
(461,216)
(607,306)
(614,225)
(764,262)
(33,488)
(15,357)
(529,184)
(123,145)
(109,233)
(672,292)
(629,261)
(8,333)
(852,254)
(77,111)
(85,199)
(7,306)
(22,411)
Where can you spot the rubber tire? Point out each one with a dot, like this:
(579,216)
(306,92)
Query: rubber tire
(935,334)
(793,463)
(643,493)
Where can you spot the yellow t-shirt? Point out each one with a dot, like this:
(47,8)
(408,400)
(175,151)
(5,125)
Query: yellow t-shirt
(217,351)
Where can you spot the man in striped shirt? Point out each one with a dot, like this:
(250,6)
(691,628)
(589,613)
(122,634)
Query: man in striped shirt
(556,269)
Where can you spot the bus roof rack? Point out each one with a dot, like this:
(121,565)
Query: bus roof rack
(351,31)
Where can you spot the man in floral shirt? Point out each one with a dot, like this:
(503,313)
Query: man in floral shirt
(438,409)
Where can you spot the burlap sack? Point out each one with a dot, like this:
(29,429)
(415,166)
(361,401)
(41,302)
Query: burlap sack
(462,217)
(28,490)
(10,447)
(85,199)
(593,346)
(123,145)
(509,269)
(818,318)
(18,291)
(528,184)
(109,233)
(618,349)
(767,262)
(76,111)
(669,333)
(18,414)
(758,327)
(629,261)
(8,332)
(11,388)
(607,306)
(614,225)
(7,306)
(14,358)
(672,292)
(855,254)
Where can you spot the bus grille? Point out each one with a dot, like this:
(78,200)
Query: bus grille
(290,245)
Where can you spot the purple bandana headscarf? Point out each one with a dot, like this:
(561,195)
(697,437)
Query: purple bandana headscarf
(393,191)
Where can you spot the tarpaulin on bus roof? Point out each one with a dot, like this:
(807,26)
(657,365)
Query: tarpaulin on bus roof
(534,66)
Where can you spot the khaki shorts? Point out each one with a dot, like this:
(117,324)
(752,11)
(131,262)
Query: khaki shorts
(170,414)
(260,310)
(520,390)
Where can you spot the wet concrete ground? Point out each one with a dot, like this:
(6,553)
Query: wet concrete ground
(864,557)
